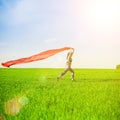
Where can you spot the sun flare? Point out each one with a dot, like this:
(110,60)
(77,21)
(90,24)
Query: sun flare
(106,12)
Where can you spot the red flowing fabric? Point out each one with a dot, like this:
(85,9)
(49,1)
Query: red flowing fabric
(39,56)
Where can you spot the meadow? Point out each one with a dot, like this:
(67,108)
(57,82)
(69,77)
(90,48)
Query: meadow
(94,96)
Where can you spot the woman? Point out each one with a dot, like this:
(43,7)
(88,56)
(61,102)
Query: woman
(68,65)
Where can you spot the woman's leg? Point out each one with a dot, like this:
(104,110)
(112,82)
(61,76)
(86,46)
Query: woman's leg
(72,73)
(62,73)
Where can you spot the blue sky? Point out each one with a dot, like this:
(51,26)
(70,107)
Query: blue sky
(28,27)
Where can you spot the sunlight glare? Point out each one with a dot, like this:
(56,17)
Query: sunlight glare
(106,12)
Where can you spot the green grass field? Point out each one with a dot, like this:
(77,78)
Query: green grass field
(95,95)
